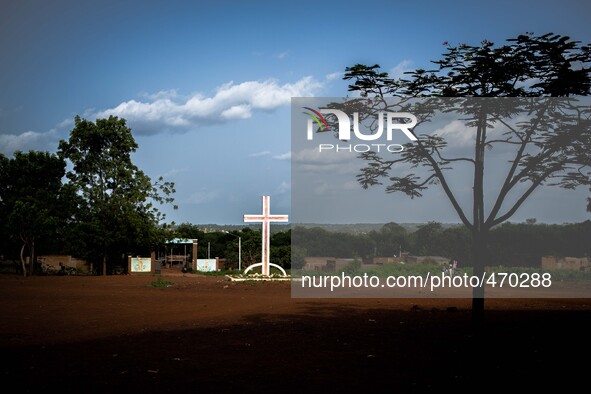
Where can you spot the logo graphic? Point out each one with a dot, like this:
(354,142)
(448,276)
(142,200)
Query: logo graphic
(392,120)
(318,118)
(387,122)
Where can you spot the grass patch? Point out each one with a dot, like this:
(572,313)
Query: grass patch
(274,272)
(397,269)
(217,273)
(161,283)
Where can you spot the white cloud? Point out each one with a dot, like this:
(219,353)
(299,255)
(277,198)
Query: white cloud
(398,70)
(282,55)
(242,111)
(163,94)
(283,156)
(166,111)
(312,161)
(333,76)
(67,123)
(259,154)
(284,187)
(173,172)
(30,140)
(456,134)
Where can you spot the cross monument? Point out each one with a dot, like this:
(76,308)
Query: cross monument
(266,218)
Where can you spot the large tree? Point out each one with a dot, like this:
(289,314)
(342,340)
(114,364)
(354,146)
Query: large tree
(34,203)
(527,66)
(119,212)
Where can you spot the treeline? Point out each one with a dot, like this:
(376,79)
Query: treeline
(511,244)
(240,248)
(88,200)
(104,209)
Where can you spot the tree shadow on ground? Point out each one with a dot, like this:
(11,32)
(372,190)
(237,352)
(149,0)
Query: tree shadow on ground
(327,347)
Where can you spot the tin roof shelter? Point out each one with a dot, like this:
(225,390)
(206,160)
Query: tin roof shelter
(170,258)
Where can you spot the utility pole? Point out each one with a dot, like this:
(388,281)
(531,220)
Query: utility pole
(239,253)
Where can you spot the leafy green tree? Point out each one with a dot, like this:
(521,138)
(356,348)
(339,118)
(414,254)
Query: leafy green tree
(5,178)
(548,65)
(455,244)
(317,241)
(251,247)
(530,241)
(390,240)
(35,205)
(189,231)
(298,257)
(281,255)
(427,239)
(119,213)
(232,242)
(281,238)
(281,248)
(212,245)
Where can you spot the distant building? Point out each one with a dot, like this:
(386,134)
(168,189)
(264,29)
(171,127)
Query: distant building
(332,264)
(54,262)
(568,263)
(426,259)
(325,264)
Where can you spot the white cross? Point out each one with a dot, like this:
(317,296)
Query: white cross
(266,218)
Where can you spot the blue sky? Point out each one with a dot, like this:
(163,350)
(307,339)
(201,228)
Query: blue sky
(206,86)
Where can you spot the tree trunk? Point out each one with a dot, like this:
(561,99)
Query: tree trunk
(480,232)
(104,264)
(479,254)
(32,254)
(23,260)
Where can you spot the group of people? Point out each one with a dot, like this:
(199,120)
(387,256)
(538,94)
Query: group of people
(450,268)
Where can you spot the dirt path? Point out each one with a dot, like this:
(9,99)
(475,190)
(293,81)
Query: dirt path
(206,334)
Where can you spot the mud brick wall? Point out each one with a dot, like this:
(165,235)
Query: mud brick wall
(570,263)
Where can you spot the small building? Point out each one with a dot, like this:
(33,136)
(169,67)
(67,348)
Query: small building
(325,264)
(386,260)
(180,253)
(567,263)
(54,262)
(440,260)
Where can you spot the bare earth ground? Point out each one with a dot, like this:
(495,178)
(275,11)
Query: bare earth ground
(118,334)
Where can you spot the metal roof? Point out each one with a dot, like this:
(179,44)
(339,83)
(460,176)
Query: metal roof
(181,241)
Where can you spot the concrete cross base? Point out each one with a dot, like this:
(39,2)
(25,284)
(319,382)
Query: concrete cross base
(261,265)
(255,278)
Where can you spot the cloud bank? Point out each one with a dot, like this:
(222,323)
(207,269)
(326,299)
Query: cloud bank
(168,111)
(165,111)
(30,140)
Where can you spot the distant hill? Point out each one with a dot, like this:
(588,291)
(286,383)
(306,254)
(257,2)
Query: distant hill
(364,228)
(211,228)
(356,228)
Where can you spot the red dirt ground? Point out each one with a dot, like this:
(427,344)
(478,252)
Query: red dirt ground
(117,334)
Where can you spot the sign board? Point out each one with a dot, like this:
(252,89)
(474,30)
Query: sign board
(141,264)
(207,265)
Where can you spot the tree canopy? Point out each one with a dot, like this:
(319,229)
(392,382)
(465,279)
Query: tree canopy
(33,200)
(119,202)
(528,67)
